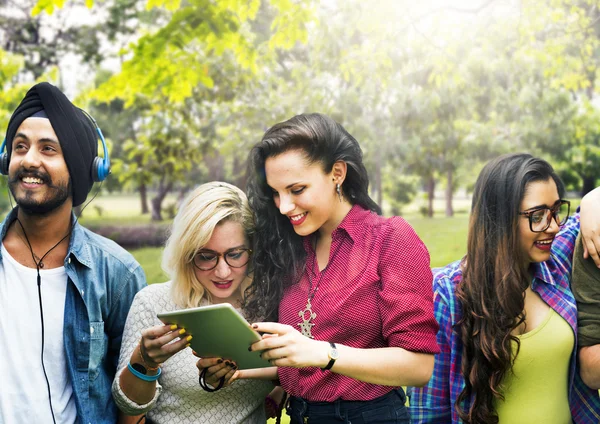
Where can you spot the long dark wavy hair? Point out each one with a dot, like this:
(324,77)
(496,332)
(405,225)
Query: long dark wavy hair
(492,291)
(279,256)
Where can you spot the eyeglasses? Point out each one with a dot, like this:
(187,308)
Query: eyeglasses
(541,218)
(206,260)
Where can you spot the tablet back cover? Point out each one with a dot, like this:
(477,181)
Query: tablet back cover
(218,331)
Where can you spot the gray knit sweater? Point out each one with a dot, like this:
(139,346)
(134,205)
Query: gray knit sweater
(179,398)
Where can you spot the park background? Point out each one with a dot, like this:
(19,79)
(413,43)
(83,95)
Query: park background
(432,90)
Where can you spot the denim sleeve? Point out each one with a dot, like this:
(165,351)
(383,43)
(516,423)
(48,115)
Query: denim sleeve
(432,403)
(119,310)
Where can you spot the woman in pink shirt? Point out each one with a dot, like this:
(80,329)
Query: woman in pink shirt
(348,291)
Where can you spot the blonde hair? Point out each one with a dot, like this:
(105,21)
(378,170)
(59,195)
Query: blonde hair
(200,212)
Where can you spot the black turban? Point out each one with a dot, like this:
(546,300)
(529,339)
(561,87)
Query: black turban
(75,131)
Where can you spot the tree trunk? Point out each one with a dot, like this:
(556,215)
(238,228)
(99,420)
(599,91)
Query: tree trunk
(430,196)
(216,167)
(449,209)
(588,185)
(143,198)
(238,173)
(163,190)
(379,186)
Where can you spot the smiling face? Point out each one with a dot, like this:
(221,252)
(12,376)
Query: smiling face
(536,246)
(223,282)
(38,175)
(304,193)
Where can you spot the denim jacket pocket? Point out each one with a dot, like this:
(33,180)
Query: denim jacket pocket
(96,348)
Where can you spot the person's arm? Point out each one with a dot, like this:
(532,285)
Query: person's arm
(391,366)
(119,311)
(432,403)
(132,395)
(590,225)
(218,368)
(589,366)
(130,419)
(156,346)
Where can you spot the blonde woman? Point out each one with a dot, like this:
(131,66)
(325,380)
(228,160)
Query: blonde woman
(206,258)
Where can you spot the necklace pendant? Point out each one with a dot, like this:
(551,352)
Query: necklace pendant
(307,316)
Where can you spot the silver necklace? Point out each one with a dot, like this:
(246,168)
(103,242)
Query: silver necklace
(307,314)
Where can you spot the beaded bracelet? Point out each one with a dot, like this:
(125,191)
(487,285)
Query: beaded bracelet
(148,367)
(143,376)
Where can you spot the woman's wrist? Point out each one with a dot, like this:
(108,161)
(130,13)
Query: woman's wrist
(323,354)
(148,363)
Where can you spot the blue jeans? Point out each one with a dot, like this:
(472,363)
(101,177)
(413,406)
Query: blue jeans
(386,409)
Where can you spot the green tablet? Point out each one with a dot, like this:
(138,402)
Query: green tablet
(218,331)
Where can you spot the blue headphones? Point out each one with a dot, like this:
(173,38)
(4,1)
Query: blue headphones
(100,166)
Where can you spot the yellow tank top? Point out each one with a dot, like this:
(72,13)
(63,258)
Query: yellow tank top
(537,389)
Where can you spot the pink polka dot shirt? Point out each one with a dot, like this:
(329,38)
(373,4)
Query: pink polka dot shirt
(375,292)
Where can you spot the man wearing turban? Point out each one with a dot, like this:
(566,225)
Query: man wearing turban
(64,291)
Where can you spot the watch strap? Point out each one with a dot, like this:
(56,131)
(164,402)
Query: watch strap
(331,359)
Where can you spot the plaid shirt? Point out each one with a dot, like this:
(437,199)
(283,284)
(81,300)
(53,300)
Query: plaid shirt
(435,402)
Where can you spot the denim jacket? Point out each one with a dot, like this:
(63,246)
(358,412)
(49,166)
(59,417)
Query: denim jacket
(103,279)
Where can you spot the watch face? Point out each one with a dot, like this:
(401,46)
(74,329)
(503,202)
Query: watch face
(334,354)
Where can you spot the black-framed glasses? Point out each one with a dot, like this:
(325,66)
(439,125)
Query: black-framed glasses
(541,218)
(206,260)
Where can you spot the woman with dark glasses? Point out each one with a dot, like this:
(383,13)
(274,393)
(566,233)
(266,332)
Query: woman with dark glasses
(508,318)
(207,258)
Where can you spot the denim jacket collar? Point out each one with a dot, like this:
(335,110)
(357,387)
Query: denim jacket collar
(77,247)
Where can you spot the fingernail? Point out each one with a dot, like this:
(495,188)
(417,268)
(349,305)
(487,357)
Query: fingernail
(220,361)
(182,331)
(254,325)
(174,326)
(188,338)
(193,351)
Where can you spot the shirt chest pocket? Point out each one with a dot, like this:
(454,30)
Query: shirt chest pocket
(97,348)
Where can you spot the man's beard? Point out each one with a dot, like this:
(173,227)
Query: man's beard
(56,196)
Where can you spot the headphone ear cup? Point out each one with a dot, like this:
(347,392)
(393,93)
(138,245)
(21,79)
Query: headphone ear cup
(96,170)
(4,163)
(100,170)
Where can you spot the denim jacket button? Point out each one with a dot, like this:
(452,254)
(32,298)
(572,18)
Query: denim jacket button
(69,260)
(91,330)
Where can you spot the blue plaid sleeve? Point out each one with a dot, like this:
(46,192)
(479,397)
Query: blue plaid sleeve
(432,403)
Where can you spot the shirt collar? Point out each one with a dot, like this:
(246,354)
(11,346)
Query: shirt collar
(543,273)
(352,225)
(353,222)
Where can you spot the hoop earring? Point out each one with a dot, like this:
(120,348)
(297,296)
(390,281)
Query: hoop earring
(339,191)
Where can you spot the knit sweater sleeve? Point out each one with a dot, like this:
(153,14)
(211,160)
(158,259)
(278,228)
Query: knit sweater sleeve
(141,316)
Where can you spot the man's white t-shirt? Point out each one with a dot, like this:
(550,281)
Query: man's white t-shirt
(24,393)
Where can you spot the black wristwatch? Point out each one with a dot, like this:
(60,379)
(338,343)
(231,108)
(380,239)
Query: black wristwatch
(333,355)
(139,368)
